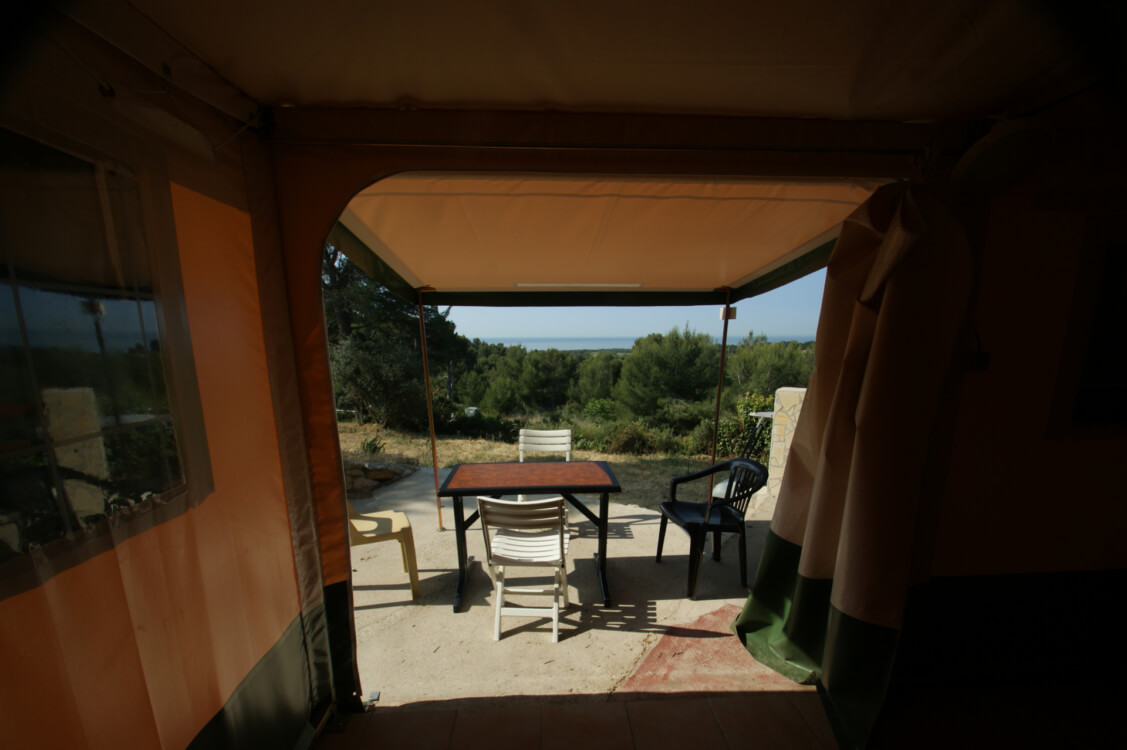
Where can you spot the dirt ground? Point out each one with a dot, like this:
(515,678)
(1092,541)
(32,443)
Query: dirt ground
(644,479)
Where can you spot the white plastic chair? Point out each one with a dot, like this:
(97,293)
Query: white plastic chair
(544,441)
(525,534)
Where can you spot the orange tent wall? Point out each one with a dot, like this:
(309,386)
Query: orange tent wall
(190,622)
(145,643)
(224,312)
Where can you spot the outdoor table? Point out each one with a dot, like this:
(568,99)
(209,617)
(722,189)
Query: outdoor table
(566,478)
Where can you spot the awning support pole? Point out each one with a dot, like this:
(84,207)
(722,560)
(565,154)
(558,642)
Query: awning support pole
(430,409)
(720,382)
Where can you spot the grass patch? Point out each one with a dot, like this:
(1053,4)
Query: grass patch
(644,479)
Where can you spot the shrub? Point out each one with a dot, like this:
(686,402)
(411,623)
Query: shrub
(665,441)
(630,437)
(590,436)
(699,441)
(730,438)
(734,433)
(602,410)
(373,445)
(753,402)
(682,416)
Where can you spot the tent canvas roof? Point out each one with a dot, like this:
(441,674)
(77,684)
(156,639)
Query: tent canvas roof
(860,59)
(521,238)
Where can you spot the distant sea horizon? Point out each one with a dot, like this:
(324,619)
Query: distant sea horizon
(574,343)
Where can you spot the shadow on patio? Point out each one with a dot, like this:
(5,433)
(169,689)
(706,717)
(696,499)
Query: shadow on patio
(592,722)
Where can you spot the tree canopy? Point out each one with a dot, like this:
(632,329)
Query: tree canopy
(756,366)
(665,382)
(374,347)
(665,368)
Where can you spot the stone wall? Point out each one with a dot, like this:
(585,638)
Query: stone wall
(362,478)
(788,404)
(72,412)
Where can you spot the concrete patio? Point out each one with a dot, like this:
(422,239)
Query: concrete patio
(650,639)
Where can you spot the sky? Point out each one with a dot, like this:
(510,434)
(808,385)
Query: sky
(789,311)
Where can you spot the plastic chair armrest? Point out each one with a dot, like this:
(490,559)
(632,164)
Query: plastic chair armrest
(722,466)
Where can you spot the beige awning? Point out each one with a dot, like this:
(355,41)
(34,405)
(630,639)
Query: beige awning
(619,235)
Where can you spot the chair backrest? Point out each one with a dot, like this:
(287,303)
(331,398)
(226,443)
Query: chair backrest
(533,517)
(763,420)
(745,479)
(545,441)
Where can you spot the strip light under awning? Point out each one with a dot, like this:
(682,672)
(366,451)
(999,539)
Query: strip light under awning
(577,285)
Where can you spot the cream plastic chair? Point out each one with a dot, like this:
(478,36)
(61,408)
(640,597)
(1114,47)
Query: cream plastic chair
(525,534)
(386,526)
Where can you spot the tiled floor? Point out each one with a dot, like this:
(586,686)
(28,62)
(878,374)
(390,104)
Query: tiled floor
(782,721)
(1048,716)
(1053,714)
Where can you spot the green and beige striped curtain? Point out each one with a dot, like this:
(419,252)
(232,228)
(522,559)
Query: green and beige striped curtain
(851,525)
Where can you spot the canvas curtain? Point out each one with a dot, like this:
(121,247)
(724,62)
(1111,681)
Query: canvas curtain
(850,529)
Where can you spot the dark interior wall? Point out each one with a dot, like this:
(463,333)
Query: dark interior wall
(1029,565)
(1035,485)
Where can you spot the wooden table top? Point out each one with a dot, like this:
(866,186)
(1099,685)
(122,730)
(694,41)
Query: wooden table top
(510,478)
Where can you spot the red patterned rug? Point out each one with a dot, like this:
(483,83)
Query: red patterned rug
(704,656)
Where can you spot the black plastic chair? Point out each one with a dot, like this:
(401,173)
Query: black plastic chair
(763,421)
(745,478)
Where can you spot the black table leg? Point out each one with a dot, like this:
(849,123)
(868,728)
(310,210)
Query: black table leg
(460,534)
(604,522)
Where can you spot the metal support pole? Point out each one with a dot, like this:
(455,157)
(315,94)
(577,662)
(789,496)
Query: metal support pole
(726,315)
(430,409)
